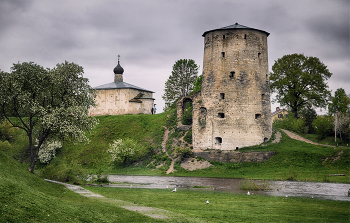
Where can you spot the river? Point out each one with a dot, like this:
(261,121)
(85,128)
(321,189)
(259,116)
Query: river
(329,191)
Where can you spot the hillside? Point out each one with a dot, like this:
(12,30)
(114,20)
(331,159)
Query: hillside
(292,159)
(25,197)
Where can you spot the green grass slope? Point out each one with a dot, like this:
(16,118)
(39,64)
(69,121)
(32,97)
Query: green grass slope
(227,207)
(25,197)
(145,129)
(293,160)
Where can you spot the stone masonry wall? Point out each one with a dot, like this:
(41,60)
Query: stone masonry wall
(234,156)
(117,102)
(235,106)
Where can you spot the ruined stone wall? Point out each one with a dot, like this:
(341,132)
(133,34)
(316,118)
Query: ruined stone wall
(195,99)
(116,102)
(234,156)
(235,106)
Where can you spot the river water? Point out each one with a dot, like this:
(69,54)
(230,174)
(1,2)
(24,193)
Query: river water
(329,191)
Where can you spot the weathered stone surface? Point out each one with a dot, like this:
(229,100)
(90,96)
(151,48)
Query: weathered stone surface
(234,156)
(233,109)
(118,102)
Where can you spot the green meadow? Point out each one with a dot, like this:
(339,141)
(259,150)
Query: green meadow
(26,197)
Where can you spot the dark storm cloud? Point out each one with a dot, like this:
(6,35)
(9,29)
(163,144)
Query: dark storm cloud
(150,35)
(9,11)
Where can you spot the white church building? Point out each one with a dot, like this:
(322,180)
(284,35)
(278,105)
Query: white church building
(119,97)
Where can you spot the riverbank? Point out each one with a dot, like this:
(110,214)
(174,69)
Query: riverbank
(292,160)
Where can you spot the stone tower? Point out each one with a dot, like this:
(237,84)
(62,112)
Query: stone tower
(234,109)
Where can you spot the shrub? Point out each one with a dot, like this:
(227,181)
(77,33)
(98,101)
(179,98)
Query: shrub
(48,150)
(183,152)
(323,126)
(187,115)
(65,172)
(5,146)
(188,137)
(290,123)
(124,151)
(7,132)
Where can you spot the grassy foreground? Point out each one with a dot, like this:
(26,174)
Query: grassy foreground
(227,207)
(25,197)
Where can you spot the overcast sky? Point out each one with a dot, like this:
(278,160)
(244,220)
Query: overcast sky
(150,35)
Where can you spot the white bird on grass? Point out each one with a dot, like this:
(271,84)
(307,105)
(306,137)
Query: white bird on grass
(248,193)
(207,202)
(174,190)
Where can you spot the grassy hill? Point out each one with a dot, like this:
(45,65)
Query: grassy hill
(293,160)
(25,197)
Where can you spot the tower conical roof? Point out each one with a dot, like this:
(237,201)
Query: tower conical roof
(235,26)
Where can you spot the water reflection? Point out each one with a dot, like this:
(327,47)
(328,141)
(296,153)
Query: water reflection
(329,191)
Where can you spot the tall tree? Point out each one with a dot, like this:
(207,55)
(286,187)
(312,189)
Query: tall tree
(180,82)
(46,103)
(339,106)
(299,80)
(340,102)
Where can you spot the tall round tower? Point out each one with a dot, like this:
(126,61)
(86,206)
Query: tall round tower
(235,109)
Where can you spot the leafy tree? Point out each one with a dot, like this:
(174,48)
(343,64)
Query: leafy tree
(298,81)
(308,114)
(47,103)
(339,107)
(197,84)
(180,82)
(323,126)
(340,102)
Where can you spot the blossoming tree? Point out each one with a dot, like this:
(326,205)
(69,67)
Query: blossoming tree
(47,103)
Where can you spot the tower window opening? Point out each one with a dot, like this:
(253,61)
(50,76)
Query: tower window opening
(236,148)
(259,55)
(223,54)
(262,96)
(232,74)
(221,115)
(222,95)
(267,76)
(218,140)
(223,36)
(245,36)
(266,139)
(257,116)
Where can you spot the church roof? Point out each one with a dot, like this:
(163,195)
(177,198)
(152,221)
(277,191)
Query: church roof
(235,26)
(119,85)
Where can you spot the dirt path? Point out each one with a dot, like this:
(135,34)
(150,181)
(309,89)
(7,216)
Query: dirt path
(165,138)
(149,211)
(297,137)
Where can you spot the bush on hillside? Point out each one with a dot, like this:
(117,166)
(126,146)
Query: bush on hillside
(323,126)
(125,151)
(183,152)
(65,172)
(187,115)
(7,132)
(290,123)
(5,145)
(188,137)
(48,150)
